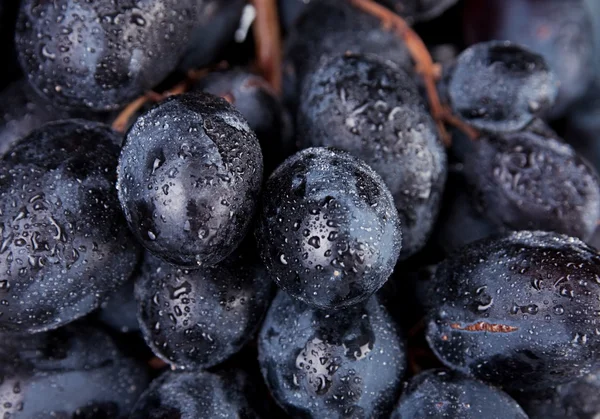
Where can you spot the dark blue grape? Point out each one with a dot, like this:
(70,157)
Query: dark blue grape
(500,86)
(559,30)
(524,180)
(199,318)
(73,372)
(528,181)
(196,395)
(64,243)
(520,312)
(446,394)
(329,232)
(189,178)
(373,110)
(320,365)
(101,54)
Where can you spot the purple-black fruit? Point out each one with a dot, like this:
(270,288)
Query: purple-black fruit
(328,232)
(101,54)
(344,364)
(190,175)
(65,246)
(520,312)
(198,318)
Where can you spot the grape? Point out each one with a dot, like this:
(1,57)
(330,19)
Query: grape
(524,180)
(529,181)
(189,178)
(65,246)
(102,54)
(195,395)
(500,86)
(559,30)
(447,394)
(518,311)
(253,97)
(73,372)
(344,364)
(373,110)
(329,233)
(199,318)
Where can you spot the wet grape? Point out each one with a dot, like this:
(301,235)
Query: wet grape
(102,54)
(345,364)
(500,86)
(519,311)
(528,181)
(72,372)
(559,30)
(195,395)
(189,178)
(198,318)
(329,233)
(65,246)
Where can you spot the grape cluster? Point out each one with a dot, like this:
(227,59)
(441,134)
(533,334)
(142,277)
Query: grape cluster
(362,209)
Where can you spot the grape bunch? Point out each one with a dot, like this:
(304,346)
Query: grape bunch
(361,209)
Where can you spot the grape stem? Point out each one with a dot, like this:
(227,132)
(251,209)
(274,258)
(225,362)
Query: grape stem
(424,66)
(267,37)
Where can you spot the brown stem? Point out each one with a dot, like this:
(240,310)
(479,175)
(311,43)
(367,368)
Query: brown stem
(267,36)
(455,121)
(122,120)
(424,65)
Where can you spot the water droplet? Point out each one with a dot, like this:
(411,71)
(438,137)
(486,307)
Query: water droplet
(315,242)
(282,259)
